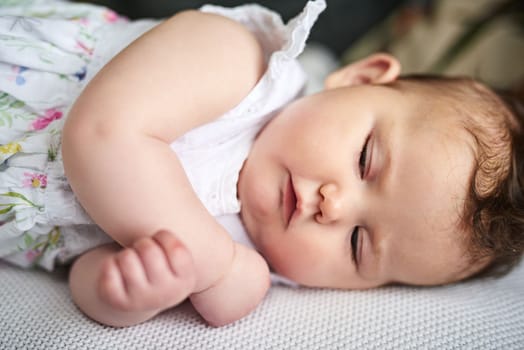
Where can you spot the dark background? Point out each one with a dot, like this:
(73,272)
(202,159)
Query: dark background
(339,25)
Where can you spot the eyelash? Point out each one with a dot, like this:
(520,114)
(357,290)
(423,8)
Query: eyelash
(354,243)
(363,158)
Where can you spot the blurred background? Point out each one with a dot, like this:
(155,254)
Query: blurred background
(479,38)
(342,23)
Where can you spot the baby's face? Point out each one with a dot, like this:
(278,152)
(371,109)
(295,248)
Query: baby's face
(355,187)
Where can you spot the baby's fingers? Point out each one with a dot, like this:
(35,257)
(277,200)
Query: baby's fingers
(132,271)
(154,261)
(111,286)
(123,282)
(177,255)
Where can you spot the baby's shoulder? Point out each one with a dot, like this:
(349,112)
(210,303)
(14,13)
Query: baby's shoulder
(229,38)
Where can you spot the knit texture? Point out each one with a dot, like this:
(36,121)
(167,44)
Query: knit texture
(36,312)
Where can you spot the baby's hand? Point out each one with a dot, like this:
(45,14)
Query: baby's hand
(154,274)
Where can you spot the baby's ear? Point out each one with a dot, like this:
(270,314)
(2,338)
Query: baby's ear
(379,68)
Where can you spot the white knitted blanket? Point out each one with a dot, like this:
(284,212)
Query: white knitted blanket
(36,312)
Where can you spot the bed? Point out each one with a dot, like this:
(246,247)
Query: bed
(37,312)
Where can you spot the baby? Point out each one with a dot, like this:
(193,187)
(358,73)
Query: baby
(194,151)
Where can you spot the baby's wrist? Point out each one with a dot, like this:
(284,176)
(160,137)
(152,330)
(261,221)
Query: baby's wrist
(246,282)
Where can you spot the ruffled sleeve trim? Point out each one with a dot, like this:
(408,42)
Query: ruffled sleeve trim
(278,40)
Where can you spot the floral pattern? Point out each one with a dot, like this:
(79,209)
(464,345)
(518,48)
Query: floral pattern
(14,200)
(18,75)
(47,51)
(10,148)
(34,247)
(34,180)
(12,110)
(43,121)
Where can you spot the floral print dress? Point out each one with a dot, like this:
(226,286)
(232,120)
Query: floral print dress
(46,55)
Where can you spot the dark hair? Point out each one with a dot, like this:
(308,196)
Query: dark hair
(493,212)
(497,214)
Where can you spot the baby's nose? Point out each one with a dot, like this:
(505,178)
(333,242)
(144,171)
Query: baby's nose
(331,208)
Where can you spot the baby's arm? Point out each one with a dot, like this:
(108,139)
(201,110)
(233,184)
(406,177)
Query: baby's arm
(122,287)
(183,73)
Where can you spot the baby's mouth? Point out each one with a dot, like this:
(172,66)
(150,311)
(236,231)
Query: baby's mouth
(290,201)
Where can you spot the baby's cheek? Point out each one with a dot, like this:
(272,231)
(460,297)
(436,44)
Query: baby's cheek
(287,259)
